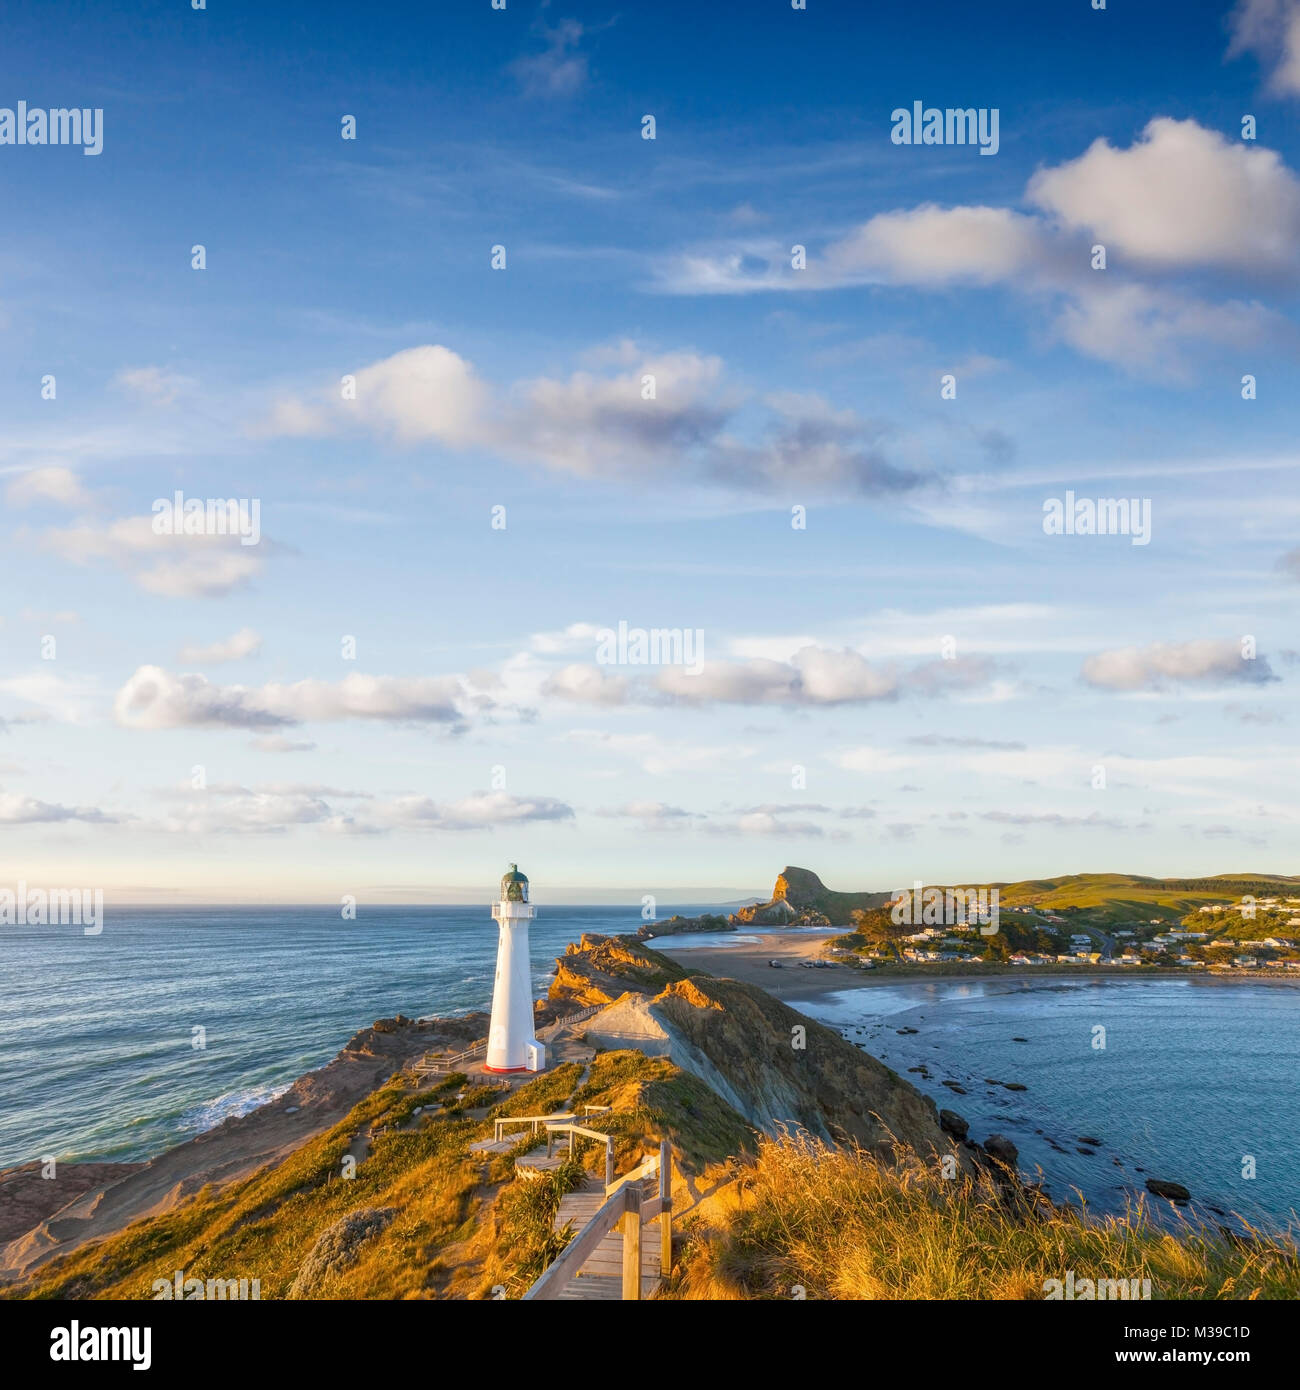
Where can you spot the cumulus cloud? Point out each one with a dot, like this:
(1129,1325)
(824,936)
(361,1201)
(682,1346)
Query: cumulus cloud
(171,566)
(1270,29)
(812,676)
(644,417)
(156,699)
(586,684)
(26,810)
(1181,195)
(50,483)
(274,810)
(243,643)
(480,811)
(1206,661)
(1180,198)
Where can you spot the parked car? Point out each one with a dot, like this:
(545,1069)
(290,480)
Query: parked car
(775,964)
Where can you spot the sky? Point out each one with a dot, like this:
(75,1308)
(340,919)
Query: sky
(498,373)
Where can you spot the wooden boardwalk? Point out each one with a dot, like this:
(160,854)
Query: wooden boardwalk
(601,1275)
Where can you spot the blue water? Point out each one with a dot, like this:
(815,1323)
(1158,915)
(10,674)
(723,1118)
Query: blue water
(1195,1076)
(96,1058)
(96,1055)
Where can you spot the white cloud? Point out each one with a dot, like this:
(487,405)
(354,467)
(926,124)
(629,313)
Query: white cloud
(1179,199)
(931,245)
(1270,29)
(1164,663)
(25,810)
(1181,195)
(156,699)
(277,743)
(588,685)
(480,811)
(560,70)
(652,416)
(157,385)
(50,483)
(171,566)
(243,643)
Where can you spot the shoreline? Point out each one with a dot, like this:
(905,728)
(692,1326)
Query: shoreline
(748,962)
(92,1198)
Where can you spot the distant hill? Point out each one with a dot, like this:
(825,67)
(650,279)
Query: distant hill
(1120,897)
(1103,898)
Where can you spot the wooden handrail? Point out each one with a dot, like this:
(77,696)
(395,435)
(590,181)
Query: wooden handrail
(533,1120)
(648,1166)
(574,1255)
(625,1202)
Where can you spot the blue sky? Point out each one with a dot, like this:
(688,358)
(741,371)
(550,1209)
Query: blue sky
(919,682)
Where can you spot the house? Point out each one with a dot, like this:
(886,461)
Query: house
(1244,961)
(1279,943)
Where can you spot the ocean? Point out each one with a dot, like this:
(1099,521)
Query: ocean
(97,1058)
(97,1055)
(1196,1082)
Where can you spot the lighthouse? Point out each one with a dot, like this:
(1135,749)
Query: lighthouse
(511,1043)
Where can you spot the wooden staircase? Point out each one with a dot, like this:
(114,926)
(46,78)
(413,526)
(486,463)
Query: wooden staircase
(609,1257)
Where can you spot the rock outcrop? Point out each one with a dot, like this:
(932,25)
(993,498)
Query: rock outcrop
(676,925)
(776,1067)
(800,898)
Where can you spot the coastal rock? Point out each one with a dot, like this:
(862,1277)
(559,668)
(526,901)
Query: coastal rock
(1175,1191)
(391,1025)
(799,897)
(1013,1086)
(677,925)
(952,1123)
(955,1086)
(599,969)
(999,1147)
(1088,1139)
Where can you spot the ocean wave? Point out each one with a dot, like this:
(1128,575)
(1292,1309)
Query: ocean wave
(211,1113)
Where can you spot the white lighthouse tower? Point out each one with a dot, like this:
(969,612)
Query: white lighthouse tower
(511,1043)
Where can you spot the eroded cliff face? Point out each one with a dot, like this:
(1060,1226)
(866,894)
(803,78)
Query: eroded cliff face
(775,1066)
(597,969)
(800,897)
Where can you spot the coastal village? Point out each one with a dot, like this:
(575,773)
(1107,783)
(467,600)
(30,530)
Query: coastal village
(1259,935)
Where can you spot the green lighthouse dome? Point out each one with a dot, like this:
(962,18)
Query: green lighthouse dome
(514,886)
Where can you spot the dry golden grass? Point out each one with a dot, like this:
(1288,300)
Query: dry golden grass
(837,1224)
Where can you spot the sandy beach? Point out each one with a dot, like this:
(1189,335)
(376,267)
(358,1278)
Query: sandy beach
(747,961)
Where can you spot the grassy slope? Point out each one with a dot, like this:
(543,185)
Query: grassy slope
(1114,899)
(838,1225)
(462,1226)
